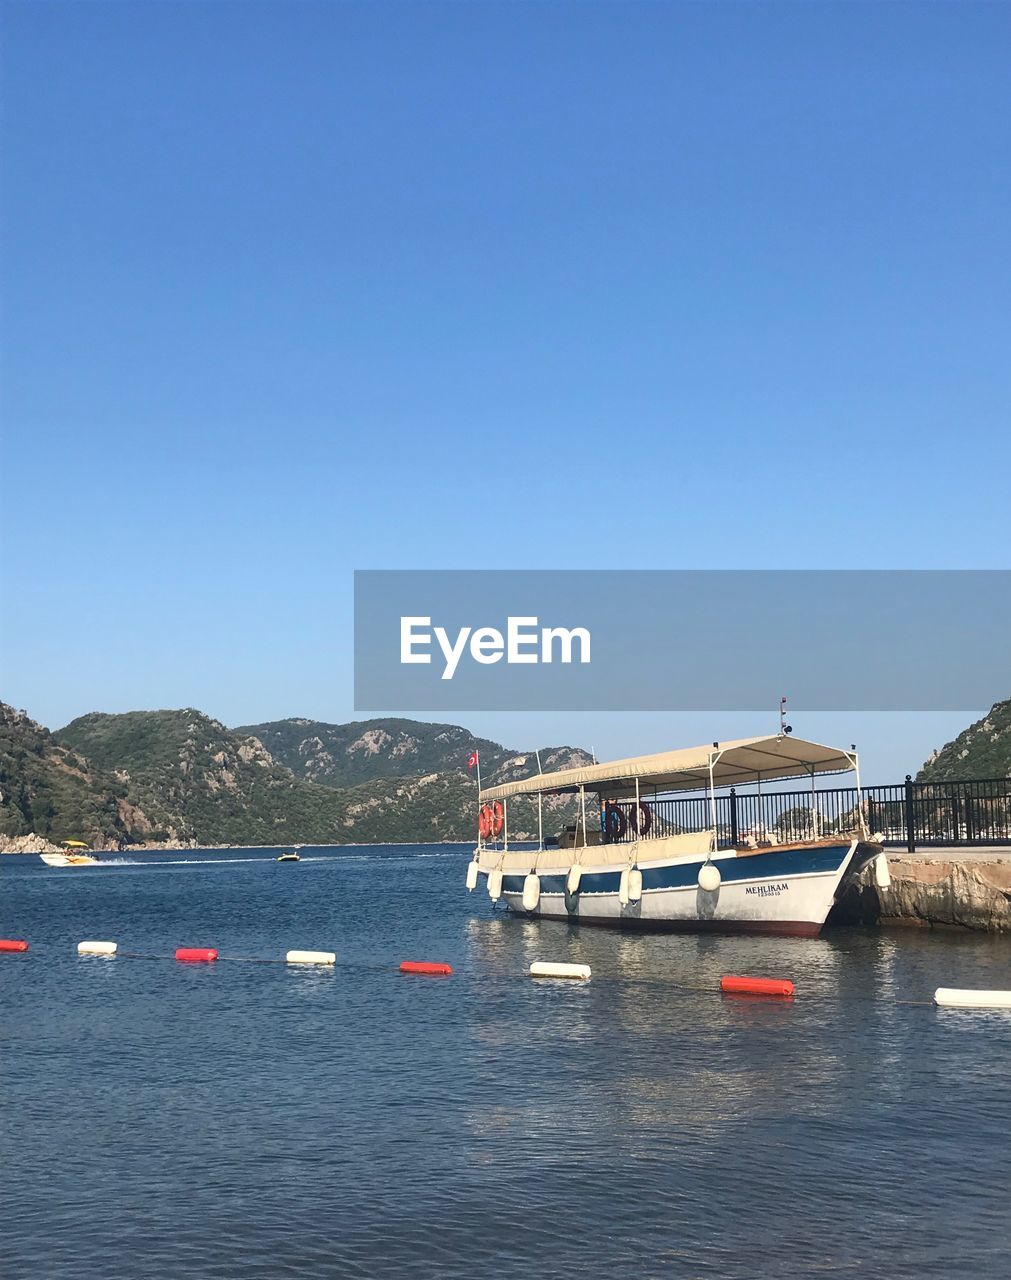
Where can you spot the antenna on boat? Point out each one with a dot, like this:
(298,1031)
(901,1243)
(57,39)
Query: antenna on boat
(784,728)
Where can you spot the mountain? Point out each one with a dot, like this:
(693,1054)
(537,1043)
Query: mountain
(341,755)
(220,786)
(49,788)
(216,785)
(981,751)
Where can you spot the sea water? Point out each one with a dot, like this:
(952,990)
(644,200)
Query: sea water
(247,1120)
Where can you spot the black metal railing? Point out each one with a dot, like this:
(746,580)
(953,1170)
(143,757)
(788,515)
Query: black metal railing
(909,814)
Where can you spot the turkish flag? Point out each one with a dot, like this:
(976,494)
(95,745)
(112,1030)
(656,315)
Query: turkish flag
(472,761)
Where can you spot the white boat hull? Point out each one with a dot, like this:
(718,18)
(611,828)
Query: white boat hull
(779,891)
(68,859)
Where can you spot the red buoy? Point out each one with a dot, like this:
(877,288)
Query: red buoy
(196,953)
(757,986)
(13,944)
(425,966)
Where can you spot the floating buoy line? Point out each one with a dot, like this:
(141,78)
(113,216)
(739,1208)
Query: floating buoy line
(780,989)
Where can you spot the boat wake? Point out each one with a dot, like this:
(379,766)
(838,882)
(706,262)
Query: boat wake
(269,860)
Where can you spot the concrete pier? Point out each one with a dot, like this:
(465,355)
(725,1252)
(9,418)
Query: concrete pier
(942,888)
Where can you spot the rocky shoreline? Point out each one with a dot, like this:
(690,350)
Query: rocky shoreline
(947,889)
(27,844)
(39,844)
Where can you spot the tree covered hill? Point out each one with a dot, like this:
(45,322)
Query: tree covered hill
(50,789)
(341,755)
(181,775)
(981,751)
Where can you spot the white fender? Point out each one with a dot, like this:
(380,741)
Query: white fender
(634,884)
(882,876)
(472,875)
(709,877)
(573,879)
(623,888)
(531,892)
(495,884)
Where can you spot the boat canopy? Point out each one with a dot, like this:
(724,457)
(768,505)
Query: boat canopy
(726,764)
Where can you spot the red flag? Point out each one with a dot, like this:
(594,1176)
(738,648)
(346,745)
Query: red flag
(472,761)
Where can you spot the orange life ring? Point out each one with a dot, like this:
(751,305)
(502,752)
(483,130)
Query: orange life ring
(615,822)
(491,820)
(640,819)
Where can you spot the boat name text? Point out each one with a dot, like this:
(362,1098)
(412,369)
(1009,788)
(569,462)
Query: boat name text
(767,890)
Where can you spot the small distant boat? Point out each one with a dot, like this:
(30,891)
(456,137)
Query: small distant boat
(70,858)
(290,857)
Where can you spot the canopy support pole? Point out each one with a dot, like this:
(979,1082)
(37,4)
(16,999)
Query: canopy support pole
(540,821)
(815,830)
(712,803)
(862,826)
(582,805)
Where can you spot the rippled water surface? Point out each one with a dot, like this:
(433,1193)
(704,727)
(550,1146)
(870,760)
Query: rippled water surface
(250,1120)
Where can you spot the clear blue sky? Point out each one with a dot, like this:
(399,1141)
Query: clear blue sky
(296,288)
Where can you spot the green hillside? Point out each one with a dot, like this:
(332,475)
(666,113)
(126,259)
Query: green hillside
(217,785)
(49,789)
(222,787)
(981,751)
(341,755)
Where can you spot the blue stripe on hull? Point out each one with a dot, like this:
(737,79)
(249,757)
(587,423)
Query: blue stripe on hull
(774,865)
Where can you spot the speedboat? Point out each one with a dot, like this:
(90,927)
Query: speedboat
(647,857)
(70,857)
(289,857)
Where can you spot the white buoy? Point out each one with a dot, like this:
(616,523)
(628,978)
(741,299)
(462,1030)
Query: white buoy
(311,957)
(495,884)
(97,948)
(952,998)
(573,878)
(634,885)
(709,877)
(541,969)
(531,892)
(472,875)
(623,888)
(882,876)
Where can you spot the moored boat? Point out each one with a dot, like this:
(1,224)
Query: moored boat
(634,860)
